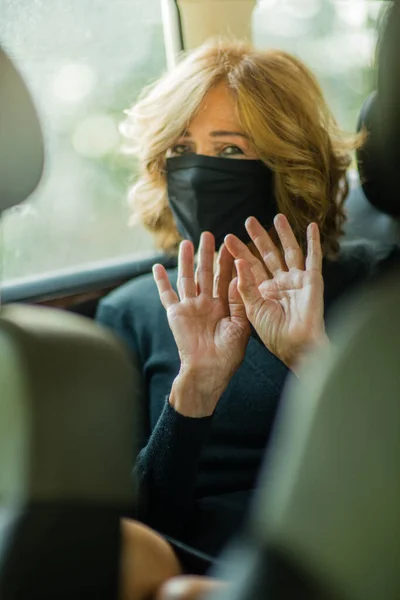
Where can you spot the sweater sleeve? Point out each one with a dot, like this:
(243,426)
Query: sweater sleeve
(166,469)
(166,466)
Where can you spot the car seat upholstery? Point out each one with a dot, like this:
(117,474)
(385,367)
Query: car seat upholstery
(21,143)
(325,522)
(373,204)
(66,454)
(67,402)
(366,221)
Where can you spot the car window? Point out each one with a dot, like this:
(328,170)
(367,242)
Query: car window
(335,38)
(84,63)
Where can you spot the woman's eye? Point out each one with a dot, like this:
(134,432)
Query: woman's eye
(179,149)
(231,151)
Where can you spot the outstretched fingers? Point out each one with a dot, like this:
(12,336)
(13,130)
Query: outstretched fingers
(223,276)
(269,252)
(239,250)
(205,268)
(314,250)
(237,309)
(186,283)
(248,288)
(294,257)
(167,294)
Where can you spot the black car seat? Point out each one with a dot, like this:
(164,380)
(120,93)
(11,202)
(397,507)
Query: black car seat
(373,203)
(67,393)
(326,520)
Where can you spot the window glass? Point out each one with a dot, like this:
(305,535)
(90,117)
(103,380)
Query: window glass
(335,38)
(84,63)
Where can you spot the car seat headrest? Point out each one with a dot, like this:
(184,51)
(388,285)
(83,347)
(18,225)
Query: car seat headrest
(379,159)
(372,158)
(21,142)
(389,89)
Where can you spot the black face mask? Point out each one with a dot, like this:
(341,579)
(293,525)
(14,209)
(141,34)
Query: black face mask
(218,194)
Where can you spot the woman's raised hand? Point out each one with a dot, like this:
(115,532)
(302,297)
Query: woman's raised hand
(283,295)
(209,324)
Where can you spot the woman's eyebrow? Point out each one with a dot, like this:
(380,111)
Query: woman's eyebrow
(220,133)
(228,134)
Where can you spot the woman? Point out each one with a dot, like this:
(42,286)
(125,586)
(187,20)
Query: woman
(230,133)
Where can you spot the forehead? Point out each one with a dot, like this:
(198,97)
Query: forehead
(217,109)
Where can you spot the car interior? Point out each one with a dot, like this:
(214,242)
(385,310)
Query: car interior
(325,519)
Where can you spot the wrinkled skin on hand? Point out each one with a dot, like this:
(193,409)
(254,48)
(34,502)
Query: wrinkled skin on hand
(282,291)
(209,323)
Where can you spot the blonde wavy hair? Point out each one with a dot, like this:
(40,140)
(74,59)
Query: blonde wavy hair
(281,108)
